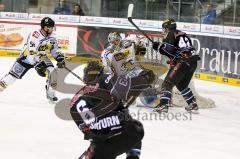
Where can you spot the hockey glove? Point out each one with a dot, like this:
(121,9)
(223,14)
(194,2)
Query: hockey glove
(60,61)
(156,45)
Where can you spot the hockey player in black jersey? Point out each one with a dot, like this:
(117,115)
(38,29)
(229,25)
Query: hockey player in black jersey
(177,46)
(103,119)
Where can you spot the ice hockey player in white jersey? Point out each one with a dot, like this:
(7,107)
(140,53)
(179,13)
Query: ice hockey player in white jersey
(119,57)
(34,55)
(119,61)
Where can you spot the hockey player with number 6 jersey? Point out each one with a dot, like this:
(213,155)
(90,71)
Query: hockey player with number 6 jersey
(34,55)
(103,119)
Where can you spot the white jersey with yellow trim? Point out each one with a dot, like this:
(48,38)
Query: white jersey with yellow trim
(119,60)
(38,46)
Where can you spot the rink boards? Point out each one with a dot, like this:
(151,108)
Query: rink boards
(217,45)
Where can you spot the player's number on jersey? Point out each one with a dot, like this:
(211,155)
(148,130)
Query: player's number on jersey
(87,115)
(184,42)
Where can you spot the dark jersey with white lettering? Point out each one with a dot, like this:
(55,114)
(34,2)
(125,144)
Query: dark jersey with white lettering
(96,113)
(175,44)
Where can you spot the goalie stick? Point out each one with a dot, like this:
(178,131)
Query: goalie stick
(130,10)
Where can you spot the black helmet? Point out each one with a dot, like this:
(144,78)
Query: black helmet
(169,24)
(47,22)
(92,72)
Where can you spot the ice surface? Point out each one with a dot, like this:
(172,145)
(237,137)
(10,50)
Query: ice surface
(30,128)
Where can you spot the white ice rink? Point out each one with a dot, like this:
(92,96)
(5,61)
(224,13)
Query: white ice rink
(30,128)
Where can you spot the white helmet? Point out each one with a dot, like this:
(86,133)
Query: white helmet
(114,36)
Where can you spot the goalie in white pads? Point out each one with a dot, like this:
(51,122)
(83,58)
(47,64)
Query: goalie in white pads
(34,55)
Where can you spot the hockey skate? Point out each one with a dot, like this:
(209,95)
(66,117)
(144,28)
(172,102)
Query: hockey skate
(51,95)
(161,108)
(2,86)
(192,108)
(52,99)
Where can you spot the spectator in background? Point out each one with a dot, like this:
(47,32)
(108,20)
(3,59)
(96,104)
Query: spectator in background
(2,7)
(62,8)
(77,10)
(210,16)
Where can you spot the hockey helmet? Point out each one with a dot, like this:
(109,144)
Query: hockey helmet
(92,72)
(114,36)
(47,22)
(169,24)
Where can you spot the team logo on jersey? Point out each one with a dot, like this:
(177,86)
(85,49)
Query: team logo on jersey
(36,34)
(18,68)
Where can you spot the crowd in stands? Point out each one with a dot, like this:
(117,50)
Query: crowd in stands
(64,8)
(204,12)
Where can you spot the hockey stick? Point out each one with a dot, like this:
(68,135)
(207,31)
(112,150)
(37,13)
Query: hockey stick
(130,10)
(74,74)
(83,155)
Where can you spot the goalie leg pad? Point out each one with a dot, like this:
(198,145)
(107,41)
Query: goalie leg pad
(121,88)
(143,80)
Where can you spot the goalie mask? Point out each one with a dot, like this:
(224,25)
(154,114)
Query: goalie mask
(114,36)
(92,72)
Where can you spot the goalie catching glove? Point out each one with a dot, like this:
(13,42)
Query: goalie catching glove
(60,61)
